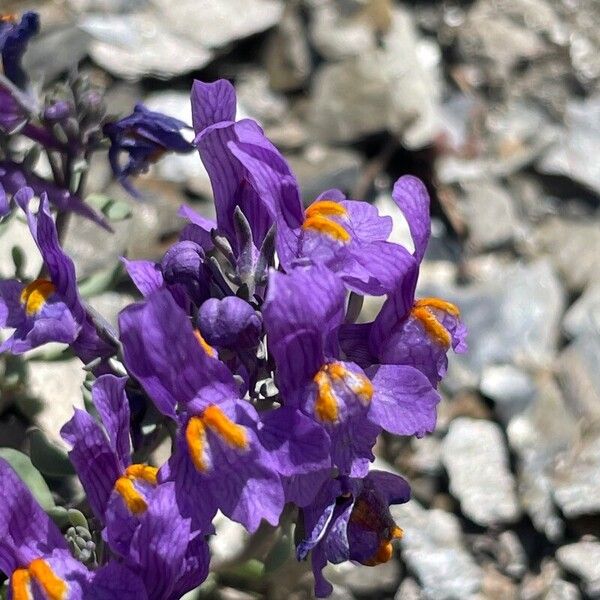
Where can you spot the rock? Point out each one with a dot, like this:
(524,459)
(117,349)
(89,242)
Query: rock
(433,549)
(15,232)
(287,58)
(92,248)
(57,385)
(579,375)
(216,24)
(548,585)
(427,456)
(584,314)
(583,559)
(109,304)
(57,51)
(511,389)
(257,100)
(493,39)
(365,581)
(229,541)
(321,168)
(537,436)
(513,317)
(497,586)
(577,144)
(393,88)
(488,211)
(476,459)
(409,590)
(577,476)
(336,35)
(139,44)
(573,247)
(514,136)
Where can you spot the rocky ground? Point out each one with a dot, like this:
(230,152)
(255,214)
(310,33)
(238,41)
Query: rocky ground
(496,105)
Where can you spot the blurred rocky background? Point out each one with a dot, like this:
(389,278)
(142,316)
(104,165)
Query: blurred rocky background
(496,105)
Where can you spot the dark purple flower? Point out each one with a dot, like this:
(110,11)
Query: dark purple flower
(230,322)
(141,520)
(14,108)
(218,461)
(410,331)
(36,559)
(47,310)
(14,178)
(144,136)
(14,37)
(224,144)
(350,520)
(302,313)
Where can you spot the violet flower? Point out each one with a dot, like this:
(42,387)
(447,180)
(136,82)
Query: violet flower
(144,136)
(13,177)
(218,461)
(141,520)
(409,331)
(35,557)
(14,37)
(302,313)
(47,309)
(350,520)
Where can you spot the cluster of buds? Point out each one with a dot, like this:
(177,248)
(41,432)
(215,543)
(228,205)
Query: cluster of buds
(246,349)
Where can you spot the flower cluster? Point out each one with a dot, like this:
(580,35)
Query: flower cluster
(246,351)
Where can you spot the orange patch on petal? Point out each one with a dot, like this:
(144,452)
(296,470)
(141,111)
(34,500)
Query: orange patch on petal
(54,587)
(133,499)
(144,472)
(326,407)
(324,225)
(396,533)
(195,436)
(34,295)
(438,303)
(432,326)
(383,554)
(8,18)
(208,349)
(19,583)
(325,208)
(234,434)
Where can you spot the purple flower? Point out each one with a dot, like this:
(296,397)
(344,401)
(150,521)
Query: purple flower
(218,461)
(14,178)
(303,312)
(141,519)
(230,322)
(14,37)
(245,169)
(350,520)
(350,238)
(35,556)
(410,331)
(47,309)
(144,136)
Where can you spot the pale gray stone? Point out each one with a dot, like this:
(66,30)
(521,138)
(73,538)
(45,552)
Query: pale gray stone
(57,384)
(579,375)
(475,456)
(511,388)
(573,154)
(583,559)
(584,314)
(433,549)
(488,211)
(138,44)
(537,435)
(513,317)
(573,247)
(393,88)
(577,476)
